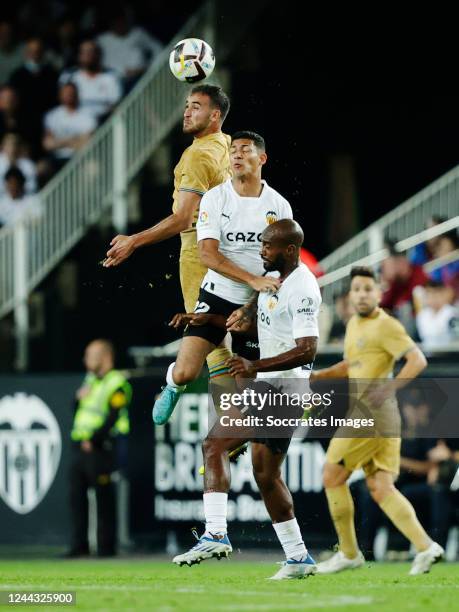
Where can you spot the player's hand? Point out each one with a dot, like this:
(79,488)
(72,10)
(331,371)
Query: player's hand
(265,284)
(240,366)
(189,318)
(240,320)
(86,446)
(379,395)
(122,248)
(439,453)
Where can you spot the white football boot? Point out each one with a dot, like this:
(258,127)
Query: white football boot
(340,562)
(424,560)
(208,546)
(296,569)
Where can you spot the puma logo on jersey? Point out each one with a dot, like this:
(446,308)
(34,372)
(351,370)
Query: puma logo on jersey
(243,237)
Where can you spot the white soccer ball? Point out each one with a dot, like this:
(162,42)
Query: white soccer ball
(192,60)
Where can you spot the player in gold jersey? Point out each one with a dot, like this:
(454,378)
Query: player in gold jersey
(374,341)
(203,165)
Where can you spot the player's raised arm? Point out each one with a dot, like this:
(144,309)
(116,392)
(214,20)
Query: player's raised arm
(179,221)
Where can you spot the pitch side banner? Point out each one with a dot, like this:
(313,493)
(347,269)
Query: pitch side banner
(35,420)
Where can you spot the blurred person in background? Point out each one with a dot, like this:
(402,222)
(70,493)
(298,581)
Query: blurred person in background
(11,53)
(424,252)
(67,127)
(448,274)
(101,416)
(99,90)
(12,118)
(438,321)
(399,277)
(126,48)
(15,204)
(12,154)
(64,42)
(35,81)
(343,311)
(444,480)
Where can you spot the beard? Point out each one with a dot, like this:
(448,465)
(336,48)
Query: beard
(195,128)
(277,265)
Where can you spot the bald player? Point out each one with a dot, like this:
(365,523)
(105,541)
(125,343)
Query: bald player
(374,341)
(202,166)
(288,334)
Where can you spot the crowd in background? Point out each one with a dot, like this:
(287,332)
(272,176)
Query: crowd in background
(420,288)
(64,66)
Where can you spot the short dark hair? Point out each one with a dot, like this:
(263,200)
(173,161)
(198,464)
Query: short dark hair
(433,284)
(257,140)
(217,96)
(363,271)
(15,172)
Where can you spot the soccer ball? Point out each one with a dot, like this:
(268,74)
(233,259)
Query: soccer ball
(192,60)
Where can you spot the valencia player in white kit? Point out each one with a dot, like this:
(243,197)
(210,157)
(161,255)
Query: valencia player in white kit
(232,217)
(287,323)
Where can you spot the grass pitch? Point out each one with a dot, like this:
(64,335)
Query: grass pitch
(234,585)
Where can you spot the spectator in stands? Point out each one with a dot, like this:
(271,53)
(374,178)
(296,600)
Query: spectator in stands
(67,127)
(11,53)
(15,204)
(444,478)
(424,252)
(126,48)
(399,278)
(65,42)
(438,321)
(448,274)
(343,311)
(12,155)
(12,119)
(99,90)
(35,81)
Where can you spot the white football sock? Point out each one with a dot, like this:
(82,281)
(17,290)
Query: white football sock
(290,537)
(215,507)
(170,380)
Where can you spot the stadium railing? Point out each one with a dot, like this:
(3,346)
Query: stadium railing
(440,198)
(335,281)
(94,181)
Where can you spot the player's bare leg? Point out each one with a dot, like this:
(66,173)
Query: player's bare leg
(279,504)
(341,507)
(187,367)
(402,514)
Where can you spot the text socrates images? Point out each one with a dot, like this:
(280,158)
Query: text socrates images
(286,407)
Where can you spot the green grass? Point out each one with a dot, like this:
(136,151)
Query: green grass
(231,585)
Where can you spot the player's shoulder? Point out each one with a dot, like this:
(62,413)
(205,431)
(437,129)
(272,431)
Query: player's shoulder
(277,198)
(219,191)
(387,322)
(304,283)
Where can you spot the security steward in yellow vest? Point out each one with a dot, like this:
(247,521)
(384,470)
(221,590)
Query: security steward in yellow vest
(101,415)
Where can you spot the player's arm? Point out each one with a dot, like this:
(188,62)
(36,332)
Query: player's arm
(213,259)
(179,221)
(415,363)
(244,319)
(302,354)
(415,466)
(338,370)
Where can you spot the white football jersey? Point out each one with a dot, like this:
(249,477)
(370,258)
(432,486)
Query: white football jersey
(291,313)
(237,223)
